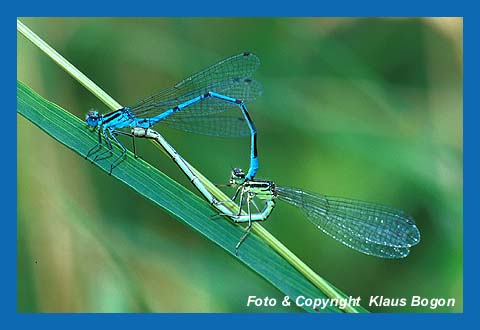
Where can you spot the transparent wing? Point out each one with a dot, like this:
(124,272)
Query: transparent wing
(369,228)
(224,124)
(377,250)
(230,77)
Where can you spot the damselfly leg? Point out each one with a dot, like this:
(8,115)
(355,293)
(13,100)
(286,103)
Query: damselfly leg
(248,229)
(109,135)
(95,147)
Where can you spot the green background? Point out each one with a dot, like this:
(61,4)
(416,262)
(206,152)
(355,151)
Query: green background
(362,108)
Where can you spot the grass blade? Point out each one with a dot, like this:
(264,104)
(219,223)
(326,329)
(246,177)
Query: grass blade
(172,197)
(325,287)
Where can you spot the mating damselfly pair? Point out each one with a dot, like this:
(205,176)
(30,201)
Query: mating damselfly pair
(199,104)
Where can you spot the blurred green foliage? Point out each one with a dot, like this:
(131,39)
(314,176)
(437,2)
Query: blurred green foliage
(361,108)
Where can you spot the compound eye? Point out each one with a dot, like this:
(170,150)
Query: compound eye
(92,114)
(238,172)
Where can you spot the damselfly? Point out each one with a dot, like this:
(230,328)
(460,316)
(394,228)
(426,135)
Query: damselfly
(372,229)
(196,104)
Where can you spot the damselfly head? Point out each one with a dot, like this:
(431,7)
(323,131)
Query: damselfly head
(92,118)
(237,177)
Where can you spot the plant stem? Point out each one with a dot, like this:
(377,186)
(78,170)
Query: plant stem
(275,244)
(67,66)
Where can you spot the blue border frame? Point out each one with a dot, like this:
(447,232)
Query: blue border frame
(223,8)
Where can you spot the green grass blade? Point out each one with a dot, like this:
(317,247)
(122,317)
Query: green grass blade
(323,285)
(172,197)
